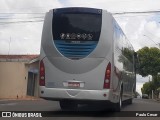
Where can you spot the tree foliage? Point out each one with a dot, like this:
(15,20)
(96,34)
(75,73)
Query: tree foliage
(152,85)
(127,59)
(128,54)
(146,89)
(149,59)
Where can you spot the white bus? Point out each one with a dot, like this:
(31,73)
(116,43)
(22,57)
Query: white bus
(85,57)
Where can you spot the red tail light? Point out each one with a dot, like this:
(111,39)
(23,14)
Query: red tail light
(42,74)
(107,77)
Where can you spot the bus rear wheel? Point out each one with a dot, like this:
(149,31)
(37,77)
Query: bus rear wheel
(68,105)
(118,105)
(130,101)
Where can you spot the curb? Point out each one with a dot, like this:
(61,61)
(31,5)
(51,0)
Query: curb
(157,100)
(20,99)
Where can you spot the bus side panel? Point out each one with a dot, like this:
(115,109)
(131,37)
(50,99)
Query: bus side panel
(124,69)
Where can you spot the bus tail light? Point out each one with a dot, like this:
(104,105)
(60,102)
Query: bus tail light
(107,78)
(42,74)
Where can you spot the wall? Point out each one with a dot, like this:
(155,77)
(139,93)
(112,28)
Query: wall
(13,79)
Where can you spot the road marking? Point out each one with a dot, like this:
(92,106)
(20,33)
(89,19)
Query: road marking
(4,104)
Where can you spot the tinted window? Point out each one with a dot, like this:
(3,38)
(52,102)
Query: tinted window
(76,26)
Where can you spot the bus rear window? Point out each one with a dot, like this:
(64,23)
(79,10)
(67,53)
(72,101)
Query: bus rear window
(76,26)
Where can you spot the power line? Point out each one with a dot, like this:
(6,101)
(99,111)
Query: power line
(114,13)
(26,8)
(135,15)
(152,34)
(1,18)
(21,13)
(138,12)
(22,21)
(4,23)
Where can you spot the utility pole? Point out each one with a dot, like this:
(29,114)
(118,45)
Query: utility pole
(159,87)
(9,45)
(152,94)
(152,90)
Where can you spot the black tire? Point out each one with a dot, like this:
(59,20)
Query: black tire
(68,105)
(118,106)
(129,101)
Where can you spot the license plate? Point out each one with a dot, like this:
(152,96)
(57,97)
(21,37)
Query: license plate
(73,84)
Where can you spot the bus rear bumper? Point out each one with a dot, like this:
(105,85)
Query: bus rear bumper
(75,94)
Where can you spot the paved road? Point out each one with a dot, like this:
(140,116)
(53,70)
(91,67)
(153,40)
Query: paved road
(84,112)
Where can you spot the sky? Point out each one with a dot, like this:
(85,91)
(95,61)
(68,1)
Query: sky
(19,37)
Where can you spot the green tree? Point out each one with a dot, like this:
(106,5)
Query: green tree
(149,59)
(127,59)
(146,88)
(156,82)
